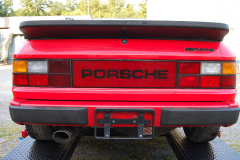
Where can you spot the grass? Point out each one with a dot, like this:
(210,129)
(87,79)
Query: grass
(236,146)
(3,135)
(9,133)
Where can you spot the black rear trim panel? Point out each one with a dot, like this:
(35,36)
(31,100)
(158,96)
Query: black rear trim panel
(199,116)
(49,115)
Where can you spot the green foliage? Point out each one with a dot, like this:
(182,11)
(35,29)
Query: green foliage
(56,8)
(71,5)
(6,8)
(96,9)
(113,9)
(33,8)
(143,12)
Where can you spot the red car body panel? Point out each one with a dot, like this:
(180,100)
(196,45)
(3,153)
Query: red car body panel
(124,94)
(146,49)
(113,49)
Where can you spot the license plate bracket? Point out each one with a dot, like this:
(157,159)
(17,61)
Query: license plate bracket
(107,121)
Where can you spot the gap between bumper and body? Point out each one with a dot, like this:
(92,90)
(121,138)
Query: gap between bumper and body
(167,114)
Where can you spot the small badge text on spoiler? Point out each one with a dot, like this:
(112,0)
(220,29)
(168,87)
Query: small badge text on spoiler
(199,49)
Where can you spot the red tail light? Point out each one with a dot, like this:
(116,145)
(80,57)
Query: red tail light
(210,81)
(42,73)
(59,66)
(20,79)
(60,80)
(189,68)
(188,82)
(210,74)
(38,80)
(228,81)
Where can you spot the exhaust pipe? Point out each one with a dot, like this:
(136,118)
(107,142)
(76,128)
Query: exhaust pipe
(62,136)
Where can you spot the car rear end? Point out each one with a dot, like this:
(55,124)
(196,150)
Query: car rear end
(142,78)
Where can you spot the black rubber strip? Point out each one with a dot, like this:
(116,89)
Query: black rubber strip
(199,116)
(49,115)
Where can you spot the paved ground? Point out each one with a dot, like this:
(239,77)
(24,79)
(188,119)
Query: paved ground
(9,133)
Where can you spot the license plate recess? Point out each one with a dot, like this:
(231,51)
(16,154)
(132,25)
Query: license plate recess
(143,118)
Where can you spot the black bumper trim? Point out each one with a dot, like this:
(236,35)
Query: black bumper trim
(49,115)
(199,116)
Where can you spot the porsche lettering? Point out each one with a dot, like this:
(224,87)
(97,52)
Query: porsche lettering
(125,73)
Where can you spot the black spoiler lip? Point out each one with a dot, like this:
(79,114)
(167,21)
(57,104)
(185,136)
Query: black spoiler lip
(203,31)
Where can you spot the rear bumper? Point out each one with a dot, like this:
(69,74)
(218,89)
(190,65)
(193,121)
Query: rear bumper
(170,114)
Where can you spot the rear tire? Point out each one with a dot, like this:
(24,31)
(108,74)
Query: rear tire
(41,132)
(201,134)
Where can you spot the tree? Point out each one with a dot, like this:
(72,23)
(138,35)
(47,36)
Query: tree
(6,8)
(40,5)
(112,9)
(71,5)
(34,7)
(142,13)
(56,8)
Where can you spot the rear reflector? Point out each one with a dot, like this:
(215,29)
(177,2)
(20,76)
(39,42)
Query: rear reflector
(188,82)
(228,81)
(189,68)
(20,66)
(229,68)
(20,79)
(210,81)
(38,80)
(59,66)
(59,80)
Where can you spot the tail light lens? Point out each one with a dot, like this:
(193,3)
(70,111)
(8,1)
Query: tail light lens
(189,68)
(188,82)
(41,73)
(210,82)
(37,67)
(211,68)
(229,68)
(228,81)
(211,75)
(60,80)
(20,79)
(38,80)
(59,66)
(20,66)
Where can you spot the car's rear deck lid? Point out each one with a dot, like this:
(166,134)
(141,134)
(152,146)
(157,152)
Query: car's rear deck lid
(136,29)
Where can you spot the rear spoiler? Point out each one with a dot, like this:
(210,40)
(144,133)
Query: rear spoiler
(131,29)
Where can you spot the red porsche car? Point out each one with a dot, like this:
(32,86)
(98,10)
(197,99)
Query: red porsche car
(123,79)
